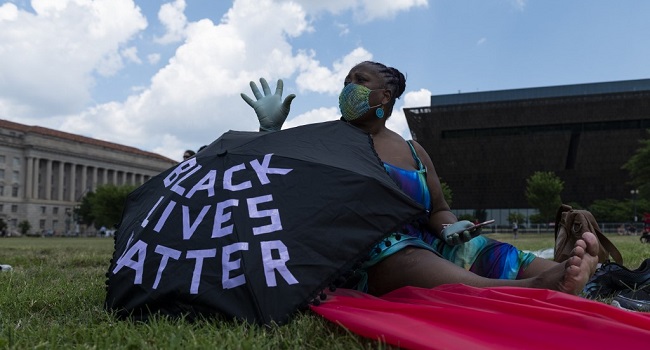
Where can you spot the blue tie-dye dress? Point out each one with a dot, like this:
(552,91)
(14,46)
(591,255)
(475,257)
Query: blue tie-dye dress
(484,256)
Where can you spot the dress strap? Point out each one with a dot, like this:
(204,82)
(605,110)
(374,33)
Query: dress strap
(418,162)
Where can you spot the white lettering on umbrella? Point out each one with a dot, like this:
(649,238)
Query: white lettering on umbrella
(139,248)
(199,255)
(220,218)
(177,188)
(271,265)
(227,179)
(228,265)
(274,214)
(206,184)
(262,169)
(146,220)
(176,173)
(232,276)
(165,215)
(188,226)
(166,254)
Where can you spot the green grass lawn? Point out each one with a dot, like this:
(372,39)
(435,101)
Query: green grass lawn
(54,296)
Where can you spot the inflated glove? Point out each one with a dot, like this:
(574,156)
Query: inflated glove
(270,109)
(459,232)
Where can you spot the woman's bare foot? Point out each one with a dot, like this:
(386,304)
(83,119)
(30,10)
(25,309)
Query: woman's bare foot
(572,275)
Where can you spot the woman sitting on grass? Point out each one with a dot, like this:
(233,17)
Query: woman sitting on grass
(437,249)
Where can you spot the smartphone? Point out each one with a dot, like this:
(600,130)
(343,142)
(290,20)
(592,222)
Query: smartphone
(479,225)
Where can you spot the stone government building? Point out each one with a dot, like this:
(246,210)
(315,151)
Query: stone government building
(45,173)
(486,144)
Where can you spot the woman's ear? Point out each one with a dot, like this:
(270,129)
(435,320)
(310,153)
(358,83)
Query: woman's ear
(387,97)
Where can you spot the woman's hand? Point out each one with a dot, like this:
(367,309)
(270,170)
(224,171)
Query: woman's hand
(459,232)
(270,109)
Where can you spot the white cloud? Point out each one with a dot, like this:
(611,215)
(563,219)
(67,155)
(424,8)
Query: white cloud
(420,98)
(49,56)
(316,78)
(8,12)
(153,58)
(363,10)
(519,4)
(195,97)
(190,101)
(131,54)
(314,116)
(397,121)
(172,16)
(343,29)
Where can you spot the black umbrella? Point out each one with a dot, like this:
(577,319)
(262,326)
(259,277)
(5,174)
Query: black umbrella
(255,226)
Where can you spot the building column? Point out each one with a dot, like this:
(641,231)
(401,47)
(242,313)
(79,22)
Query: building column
(48,179)
(94,179)
(28,178)
(36,173)
(105,177)
(84,179)
(115,177)
(61,183)
(73,179)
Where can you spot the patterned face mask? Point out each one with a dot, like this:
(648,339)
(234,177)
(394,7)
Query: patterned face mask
(354,101)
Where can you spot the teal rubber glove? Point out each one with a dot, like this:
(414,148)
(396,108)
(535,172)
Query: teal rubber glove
(459,232)
(270,109)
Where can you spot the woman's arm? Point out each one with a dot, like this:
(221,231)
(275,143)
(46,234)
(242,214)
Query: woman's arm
(441,216)
(440,212)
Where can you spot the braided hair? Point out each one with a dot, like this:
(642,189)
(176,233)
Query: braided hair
(395,80)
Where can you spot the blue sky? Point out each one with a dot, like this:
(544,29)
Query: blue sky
(165,76)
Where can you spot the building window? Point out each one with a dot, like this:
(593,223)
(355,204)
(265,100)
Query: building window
(2,174)
(41,224)
(55,210)
(14,223)
(2,190)
(14,208)
(14,191)
(16,162)
(2,208)
(55,224)
(16,176)
(43,209)
(2,159)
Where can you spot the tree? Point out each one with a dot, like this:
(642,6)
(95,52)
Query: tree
(108,203)
(516,217)
(85,210)
(639,167)
(543,193)
(611,210)
(480,215)
(24,227)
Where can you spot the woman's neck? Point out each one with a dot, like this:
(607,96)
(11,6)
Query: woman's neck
(372,127)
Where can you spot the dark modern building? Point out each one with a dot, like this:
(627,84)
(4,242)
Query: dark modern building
(485,145)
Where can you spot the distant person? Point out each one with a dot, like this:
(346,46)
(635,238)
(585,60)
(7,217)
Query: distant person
(515,228)
(188,154)
(632,230)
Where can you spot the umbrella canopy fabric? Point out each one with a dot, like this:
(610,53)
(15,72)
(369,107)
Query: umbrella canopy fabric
(255,226)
